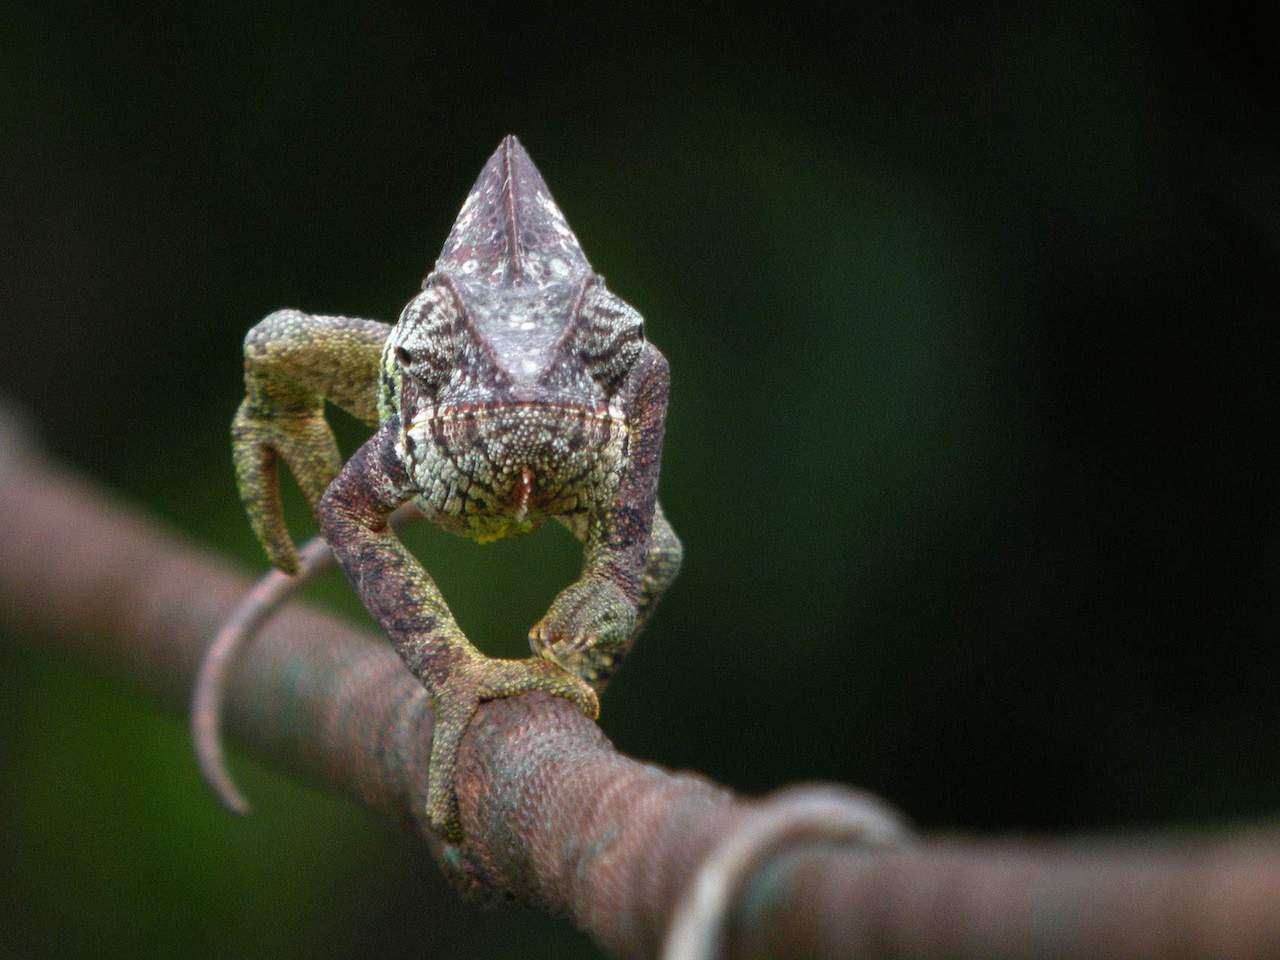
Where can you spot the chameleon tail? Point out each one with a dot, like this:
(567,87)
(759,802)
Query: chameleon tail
(257,607)
(267,596)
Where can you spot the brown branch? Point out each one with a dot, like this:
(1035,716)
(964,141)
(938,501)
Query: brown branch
(557,818)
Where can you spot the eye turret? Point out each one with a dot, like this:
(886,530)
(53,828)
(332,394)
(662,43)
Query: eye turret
(610,336)
(424,340)
(429,361)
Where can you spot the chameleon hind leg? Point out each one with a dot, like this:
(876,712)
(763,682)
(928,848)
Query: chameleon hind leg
(596,664)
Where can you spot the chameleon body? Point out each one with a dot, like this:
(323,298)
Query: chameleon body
(514,389)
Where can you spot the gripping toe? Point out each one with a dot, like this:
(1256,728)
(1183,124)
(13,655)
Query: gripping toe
(259,443)
(454,704)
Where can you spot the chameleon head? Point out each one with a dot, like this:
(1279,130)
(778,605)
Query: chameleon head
(505,369)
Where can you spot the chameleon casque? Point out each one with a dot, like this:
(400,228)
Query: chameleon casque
(514,389)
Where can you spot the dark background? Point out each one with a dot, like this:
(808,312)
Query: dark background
(972,444)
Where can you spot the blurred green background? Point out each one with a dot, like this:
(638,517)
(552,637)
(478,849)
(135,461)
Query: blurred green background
(972,444)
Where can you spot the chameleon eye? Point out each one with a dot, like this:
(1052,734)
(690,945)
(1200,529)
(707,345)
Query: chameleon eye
(610,338)
(423,365)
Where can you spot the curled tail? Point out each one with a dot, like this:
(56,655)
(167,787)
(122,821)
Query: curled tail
(267,596)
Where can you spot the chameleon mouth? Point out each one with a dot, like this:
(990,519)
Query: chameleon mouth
(516,412)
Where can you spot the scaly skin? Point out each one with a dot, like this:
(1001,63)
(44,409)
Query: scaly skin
(514,389)
(292,364)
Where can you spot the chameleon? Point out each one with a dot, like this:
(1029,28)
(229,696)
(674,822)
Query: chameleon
(515,388)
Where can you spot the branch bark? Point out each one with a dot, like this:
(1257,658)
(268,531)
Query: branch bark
(555,817)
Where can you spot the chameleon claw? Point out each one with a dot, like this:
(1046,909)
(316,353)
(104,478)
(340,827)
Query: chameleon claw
(586,629)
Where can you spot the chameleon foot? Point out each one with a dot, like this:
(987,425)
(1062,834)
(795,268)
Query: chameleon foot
(587,630)
(306,445)
(469,683)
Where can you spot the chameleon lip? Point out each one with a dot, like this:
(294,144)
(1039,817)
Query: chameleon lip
(447,413)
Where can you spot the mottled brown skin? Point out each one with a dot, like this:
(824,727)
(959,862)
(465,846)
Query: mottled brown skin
(514,389)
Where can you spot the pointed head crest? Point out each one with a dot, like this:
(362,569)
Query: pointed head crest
(512,262)
(510,233)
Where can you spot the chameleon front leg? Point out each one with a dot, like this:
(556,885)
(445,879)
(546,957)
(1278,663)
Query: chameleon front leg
(631,553)
(293,363)
(597,663)
(660,568)
(272,591)
(409,608)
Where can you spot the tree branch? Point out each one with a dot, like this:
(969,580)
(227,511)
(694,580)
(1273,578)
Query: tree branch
(556,818)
